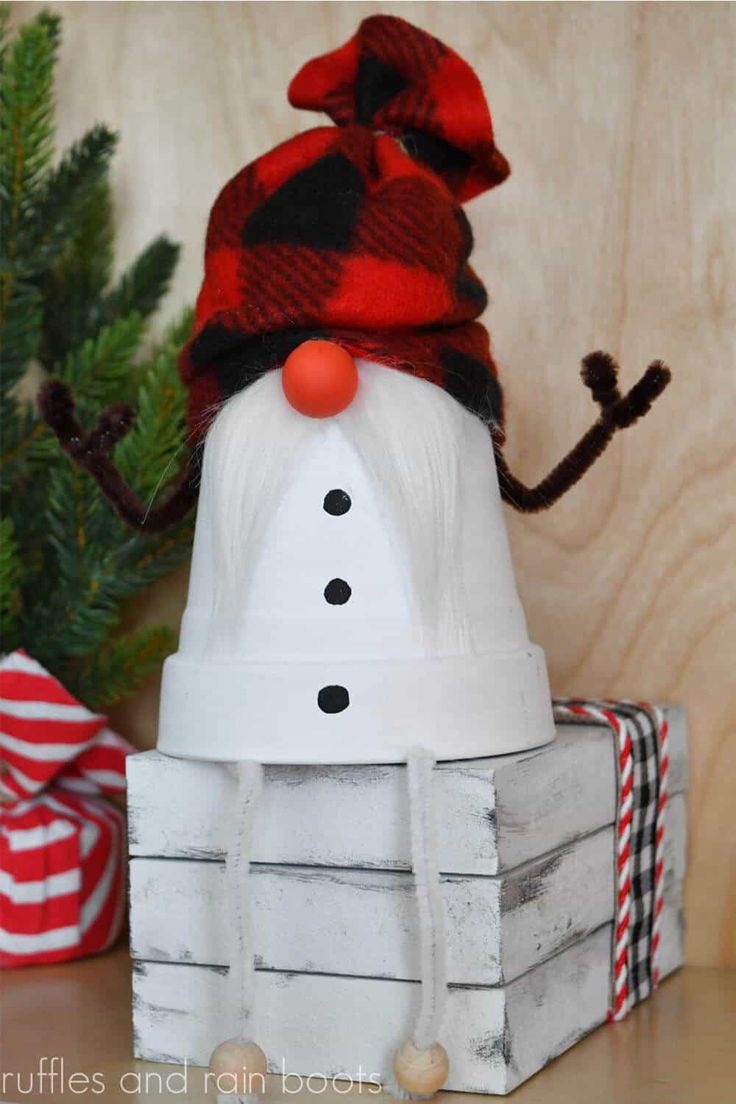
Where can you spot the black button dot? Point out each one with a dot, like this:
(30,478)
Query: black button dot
(337,592)
(333,699)
(337,503)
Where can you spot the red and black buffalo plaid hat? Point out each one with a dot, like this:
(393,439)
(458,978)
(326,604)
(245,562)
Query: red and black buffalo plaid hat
(354,232)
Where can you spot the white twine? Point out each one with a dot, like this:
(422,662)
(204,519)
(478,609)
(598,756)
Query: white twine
(425,864)
(241,976)
(430,907)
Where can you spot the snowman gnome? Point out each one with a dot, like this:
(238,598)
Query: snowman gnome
(352,598)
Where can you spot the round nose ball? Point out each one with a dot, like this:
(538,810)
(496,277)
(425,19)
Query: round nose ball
(319,379)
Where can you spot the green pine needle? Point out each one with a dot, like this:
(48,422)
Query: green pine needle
(68,564)
(20,332)
(26,149)
(74,284)
(10,576)
(146,282)
(66,191)
(152,455)
(120,667)
(102,370)
(4,21)
(26,120)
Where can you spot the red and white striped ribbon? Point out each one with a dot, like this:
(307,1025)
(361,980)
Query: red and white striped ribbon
(62,847)
(664,768)
(633,845)
(624,815)
(623,866)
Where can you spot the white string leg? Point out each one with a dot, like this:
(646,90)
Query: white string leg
(238,1066)
(421,1065)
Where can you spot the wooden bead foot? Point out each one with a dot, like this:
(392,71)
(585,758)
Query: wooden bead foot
(238,1067)
(421,1072)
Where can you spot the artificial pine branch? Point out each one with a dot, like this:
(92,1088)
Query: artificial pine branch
(121,666)
(73,286)
(26,149)
(67,562)
(153,452)
(21,318)
(26,113)
(147,280)
(65,193)
(101,370)
(4,20)
(10,574)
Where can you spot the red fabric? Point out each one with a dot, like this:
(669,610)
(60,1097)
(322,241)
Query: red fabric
(41,725)
(443,97)
(355,233)
(62,846)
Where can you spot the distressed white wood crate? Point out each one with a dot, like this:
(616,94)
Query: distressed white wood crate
(526,842)
(353,922)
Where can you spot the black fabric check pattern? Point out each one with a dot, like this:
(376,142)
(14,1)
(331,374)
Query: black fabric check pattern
(643,728)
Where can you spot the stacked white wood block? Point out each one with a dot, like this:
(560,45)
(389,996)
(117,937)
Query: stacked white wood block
(527,850)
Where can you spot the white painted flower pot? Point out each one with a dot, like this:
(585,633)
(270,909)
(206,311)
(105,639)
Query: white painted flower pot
(325,656)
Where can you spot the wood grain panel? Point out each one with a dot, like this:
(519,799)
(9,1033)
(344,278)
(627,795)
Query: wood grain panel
(336,1024)
(616,229)
(352,922)
(495,814)
(658,1056)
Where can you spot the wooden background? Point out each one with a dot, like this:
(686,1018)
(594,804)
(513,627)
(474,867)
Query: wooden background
(616,229)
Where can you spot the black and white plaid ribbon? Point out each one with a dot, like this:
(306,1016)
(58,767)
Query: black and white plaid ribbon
(642,763)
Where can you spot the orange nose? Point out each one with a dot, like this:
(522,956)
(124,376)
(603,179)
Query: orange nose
(319,379)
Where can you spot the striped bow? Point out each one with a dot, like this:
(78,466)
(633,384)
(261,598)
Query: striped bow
(62,845)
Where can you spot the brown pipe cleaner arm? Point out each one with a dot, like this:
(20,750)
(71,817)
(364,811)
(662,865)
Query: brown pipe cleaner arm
(600,375)
(92,451)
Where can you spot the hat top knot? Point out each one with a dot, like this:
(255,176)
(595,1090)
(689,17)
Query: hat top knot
(394,78)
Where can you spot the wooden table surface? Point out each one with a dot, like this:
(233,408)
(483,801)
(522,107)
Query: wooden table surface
(678,1049)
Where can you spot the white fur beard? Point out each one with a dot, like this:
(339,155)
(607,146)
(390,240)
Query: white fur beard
(409,435)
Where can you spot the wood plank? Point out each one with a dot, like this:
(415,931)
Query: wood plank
(493,814)
(350,1027)
(330,920)
(658,1057)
